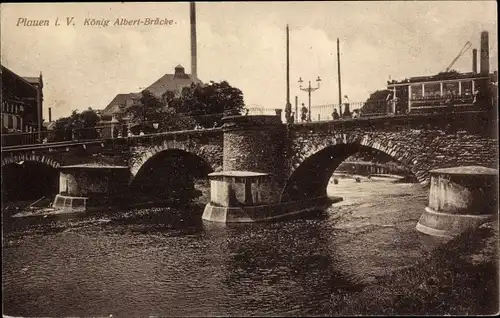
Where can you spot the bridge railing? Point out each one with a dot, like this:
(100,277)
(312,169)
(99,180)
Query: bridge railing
(319,113)
(19,138)
(327,111)
(383,107)
(261,111)
(113,130)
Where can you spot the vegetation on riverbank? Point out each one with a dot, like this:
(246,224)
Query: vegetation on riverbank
(458,278)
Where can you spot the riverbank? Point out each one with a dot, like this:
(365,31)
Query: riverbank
(459,277)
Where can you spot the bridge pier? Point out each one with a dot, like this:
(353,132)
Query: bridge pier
(460,199)
(90,187)
(254,173)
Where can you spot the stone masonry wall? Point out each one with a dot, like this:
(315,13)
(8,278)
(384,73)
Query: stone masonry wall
(132,152)
(208,148)
(420,145)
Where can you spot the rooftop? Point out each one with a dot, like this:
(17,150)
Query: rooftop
(119,101)
(168,82)
(172,82)
(31,79)
(445,76)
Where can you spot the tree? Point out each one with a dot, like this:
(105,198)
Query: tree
(89,118)
(152,110)
(376,102)
(81,124)
(210,99)
(195,104)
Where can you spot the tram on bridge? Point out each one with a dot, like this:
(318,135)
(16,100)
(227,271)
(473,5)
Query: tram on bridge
(466,91)
(448,89)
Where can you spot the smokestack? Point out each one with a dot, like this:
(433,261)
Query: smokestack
(194,71)
(474,61)
(340,81)
(50,114)
(485,54)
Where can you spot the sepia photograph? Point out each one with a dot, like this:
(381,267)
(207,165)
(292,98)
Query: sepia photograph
(237,159)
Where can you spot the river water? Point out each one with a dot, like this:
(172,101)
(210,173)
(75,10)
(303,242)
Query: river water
(166,262)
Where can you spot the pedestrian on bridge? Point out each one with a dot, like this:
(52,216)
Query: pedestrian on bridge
(476,96)
(347,112)
(450,101)
(335,114)
(303,113)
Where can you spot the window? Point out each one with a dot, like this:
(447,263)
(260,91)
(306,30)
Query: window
(467,88)
(416,91)
(450,87)
(10,123)
(432,90)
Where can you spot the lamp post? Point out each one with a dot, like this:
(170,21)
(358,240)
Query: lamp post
(309,90)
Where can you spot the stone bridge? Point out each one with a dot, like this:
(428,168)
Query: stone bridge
(133,152)
(419,142)
(301,157)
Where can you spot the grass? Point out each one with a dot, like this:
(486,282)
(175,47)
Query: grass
(458,278)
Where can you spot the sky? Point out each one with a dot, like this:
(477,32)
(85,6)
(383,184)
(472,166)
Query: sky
(243,43)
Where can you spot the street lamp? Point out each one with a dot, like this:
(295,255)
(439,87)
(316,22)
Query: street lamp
(309,90)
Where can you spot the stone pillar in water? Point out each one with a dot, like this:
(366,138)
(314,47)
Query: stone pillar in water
(256,144)
(91,187)
(253,176)
(460,199)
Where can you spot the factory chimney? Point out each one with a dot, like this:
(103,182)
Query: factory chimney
(485,54)
(50,114)
(474,61)
(194,71)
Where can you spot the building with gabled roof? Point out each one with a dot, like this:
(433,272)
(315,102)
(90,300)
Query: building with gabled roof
(169,82)
(119,103)
(173,82)
(22,102)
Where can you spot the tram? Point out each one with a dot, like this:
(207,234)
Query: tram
(470,91)
(467,91)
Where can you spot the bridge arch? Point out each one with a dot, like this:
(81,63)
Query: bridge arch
(170,145)
(313,167)
(29,177)
(172,170)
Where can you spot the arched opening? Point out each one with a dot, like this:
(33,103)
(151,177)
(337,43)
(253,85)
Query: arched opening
(28,181)
(312,176)
(171,175)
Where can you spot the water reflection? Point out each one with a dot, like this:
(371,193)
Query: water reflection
(282,267)
(168,262)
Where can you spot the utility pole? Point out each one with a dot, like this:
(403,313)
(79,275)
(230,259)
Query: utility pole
(296,109)
(288,107)
(340,82)
(192,18)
